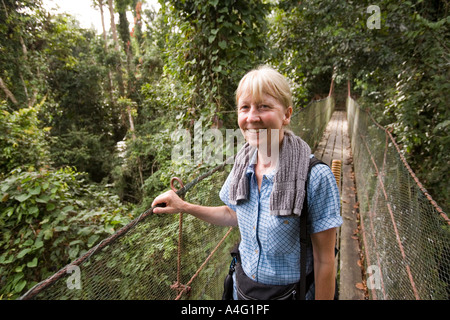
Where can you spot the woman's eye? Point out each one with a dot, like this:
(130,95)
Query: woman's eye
(264,106)
(243,107)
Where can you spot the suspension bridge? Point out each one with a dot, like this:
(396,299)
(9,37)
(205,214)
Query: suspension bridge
(393,244)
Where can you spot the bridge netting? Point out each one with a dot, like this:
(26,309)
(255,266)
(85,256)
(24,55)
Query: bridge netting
(405,234)
(166,257)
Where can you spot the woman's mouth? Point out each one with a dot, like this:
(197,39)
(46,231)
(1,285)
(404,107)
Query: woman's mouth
(254,130)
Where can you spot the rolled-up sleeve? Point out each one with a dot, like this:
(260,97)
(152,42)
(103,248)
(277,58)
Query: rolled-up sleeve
(323,200)
(224,193)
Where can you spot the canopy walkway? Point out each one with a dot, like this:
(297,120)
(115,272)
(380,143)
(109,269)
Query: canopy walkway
(393,244)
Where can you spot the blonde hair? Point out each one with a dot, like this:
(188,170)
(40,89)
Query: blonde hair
(265,80)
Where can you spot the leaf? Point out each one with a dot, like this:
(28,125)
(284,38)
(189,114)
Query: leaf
(92,239)
(9,211)
(85,231)
(61,228)
(360,286)
(38,244)
(67,208)
(23,197)
(48,234)
(20,285)
(441,126)
(223,44)
(75,242)
(34,210)
(43,199)
(23,253)
(51,206)
(32,263)
(35,191)
(5,187)
(28,243)
(19,269)
(73,252)
(4,260)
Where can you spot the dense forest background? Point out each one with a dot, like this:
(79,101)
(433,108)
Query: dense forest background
(86,119)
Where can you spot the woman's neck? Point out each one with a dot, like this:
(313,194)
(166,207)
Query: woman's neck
(267,158)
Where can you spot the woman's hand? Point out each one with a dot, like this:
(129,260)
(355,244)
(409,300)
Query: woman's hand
(169,202)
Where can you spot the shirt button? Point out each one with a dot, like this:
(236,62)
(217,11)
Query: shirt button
(256,251)
(253,276)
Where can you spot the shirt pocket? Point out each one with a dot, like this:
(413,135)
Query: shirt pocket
(283,235)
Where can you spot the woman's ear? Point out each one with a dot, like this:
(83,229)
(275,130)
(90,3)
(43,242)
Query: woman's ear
(287,116)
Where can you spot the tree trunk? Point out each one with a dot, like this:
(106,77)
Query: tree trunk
(121,86)
(117,48)
(110,83)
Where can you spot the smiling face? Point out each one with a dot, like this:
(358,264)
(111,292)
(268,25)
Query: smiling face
(263,118)
(264,106)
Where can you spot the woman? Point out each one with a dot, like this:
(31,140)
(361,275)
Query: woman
(265,192)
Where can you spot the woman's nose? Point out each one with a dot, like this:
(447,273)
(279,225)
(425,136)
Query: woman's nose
(253,115)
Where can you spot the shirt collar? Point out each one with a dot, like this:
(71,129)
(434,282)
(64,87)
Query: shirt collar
(251,167)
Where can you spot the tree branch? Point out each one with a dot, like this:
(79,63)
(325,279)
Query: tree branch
(8,93)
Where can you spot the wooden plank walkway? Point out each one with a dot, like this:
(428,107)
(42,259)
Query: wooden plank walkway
(335,145)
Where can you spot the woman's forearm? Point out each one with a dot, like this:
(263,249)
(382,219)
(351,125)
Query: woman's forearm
(170,202)
(221,216)
(324,259)
(324,278)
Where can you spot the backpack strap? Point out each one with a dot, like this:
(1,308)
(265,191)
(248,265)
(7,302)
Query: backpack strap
(304,238)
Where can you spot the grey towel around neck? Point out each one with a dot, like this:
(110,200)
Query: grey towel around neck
(288,191)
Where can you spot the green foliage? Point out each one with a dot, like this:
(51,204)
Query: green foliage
(48,218)
(399,71)
(22,141)
(86,151)
(21,51)
(210,46)
(84,127)
(410,95)
(207,46)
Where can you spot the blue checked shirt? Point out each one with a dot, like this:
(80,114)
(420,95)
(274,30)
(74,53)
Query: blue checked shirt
(270,245)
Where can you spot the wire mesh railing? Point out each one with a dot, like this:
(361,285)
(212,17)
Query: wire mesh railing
(166,257)
(309,123)
(405,234)
(140,260)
